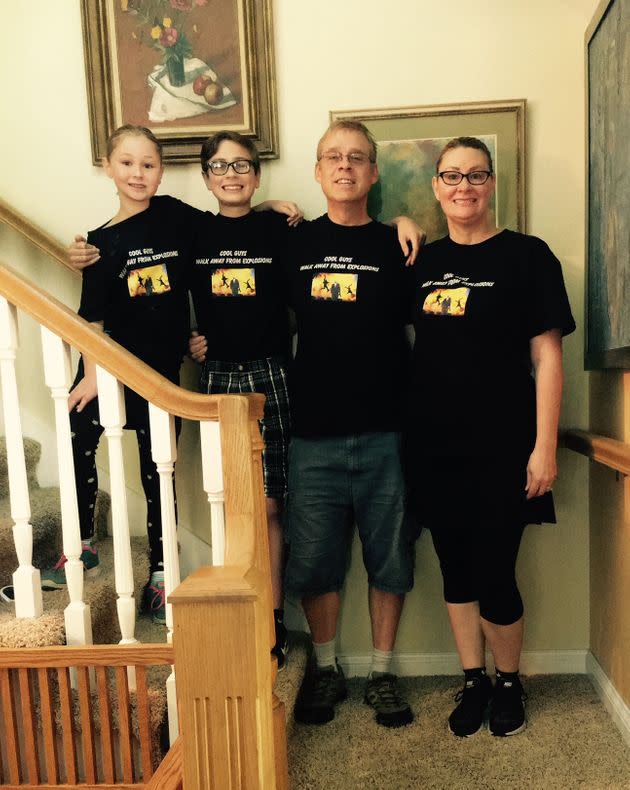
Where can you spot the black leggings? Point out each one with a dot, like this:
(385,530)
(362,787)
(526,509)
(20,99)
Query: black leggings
(86,432)
(479,565)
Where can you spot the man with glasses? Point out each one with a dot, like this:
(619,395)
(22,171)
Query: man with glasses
(347,390)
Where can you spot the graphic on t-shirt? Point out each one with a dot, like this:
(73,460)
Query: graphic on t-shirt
(446,301)
(335,287)
(234,282)
(151,281)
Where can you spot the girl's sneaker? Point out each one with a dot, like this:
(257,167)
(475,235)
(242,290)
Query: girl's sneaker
(55,578)
(155,599)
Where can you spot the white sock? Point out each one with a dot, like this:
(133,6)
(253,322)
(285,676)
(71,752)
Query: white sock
(381,661)
(324,653)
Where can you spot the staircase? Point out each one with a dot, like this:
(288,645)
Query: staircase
(99,591)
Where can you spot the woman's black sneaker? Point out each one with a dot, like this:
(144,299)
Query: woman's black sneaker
(468,716)
(507,709)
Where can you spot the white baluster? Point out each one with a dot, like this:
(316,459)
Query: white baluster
(26,579)
(164,454)
(111,406)
(57,373)
(212,467)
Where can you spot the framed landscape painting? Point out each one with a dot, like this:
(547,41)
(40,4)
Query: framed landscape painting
(409,141)
(183,68)
(608,187)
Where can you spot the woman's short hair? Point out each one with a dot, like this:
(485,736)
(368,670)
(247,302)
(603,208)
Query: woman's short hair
(465,142)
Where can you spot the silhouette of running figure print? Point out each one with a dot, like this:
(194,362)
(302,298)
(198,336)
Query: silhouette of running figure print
(161,282)
(248,285)
(224,280)
(349,290)
(325,285)
(140,281)
(438,299)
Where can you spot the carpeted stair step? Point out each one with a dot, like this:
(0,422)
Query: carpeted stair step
(99,593)
(45,515)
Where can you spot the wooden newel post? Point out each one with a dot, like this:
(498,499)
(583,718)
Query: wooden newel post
(224,680)
(223,633)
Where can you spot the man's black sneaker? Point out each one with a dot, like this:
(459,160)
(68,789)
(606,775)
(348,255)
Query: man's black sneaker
(468,716)
(507,709)
(382,694)
(281,648)
(320,691)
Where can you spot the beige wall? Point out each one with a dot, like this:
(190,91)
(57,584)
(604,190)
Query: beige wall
(333,55)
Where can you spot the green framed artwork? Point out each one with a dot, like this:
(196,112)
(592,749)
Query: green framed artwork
(409,141)
(607,338)
(183,68)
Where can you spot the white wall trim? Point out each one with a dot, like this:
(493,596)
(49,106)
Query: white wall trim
(614,704)
(533,662)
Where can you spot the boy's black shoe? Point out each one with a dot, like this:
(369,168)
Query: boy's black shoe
(468,716)
(507,709)
(320,691)
(281,648)
(382,694)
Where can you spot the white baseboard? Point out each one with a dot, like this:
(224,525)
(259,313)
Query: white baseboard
(614,704)
(533,662)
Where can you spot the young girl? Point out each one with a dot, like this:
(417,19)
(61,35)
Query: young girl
(138,294)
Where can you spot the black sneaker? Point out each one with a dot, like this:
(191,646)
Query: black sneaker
(320,691)
(468,716)
(507,709)
(281,648)
(382,694)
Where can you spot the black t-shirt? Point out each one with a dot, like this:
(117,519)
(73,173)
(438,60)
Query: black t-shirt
(238,287)
(476,309)
(139,287)
(351,294)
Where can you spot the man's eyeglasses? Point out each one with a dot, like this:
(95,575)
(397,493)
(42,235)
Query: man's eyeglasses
(219,167)
(354,158)
(454,177)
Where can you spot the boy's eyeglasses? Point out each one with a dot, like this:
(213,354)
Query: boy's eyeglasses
(219,167)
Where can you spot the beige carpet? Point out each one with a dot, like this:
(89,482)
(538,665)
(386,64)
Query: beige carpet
(570,743)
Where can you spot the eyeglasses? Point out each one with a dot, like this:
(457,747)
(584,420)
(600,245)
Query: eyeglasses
(219,167)
(354,158)
(454,177)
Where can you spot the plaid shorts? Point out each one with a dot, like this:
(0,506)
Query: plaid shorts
(268,377)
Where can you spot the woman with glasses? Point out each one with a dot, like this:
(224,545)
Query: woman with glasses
(490,312)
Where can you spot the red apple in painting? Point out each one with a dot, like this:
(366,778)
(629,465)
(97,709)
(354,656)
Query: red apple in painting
(201,83)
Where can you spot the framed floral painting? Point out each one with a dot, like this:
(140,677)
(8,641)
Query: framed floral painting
(183,68)
(410,140)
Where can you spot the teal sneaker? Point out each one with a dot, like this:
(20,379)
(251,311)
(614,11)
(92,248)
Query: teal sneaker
(155,600)
(55,578)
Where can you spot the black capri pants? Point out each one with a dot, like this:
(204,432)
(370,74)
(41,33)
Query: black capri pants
(476,510)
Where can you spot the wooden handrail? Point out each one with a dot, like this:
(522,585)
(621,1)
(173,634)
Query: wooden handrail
(87,656)
(33,233)
(609,452)
(138,376)
(170,774)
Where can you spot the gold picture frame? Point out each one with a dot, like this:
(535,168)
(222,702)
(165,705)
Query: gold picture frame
(183,68)
(409,139)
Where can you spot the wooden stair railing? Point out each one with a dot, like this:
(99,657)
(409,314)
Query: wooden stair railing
(52,736)
(232,726)
(602,449)
(37,236)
